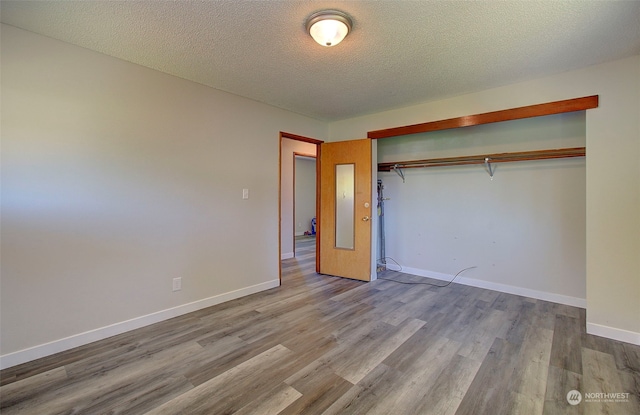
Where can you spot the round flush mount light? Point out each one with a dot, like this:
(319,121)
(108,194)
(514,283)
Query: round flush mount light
(329,27)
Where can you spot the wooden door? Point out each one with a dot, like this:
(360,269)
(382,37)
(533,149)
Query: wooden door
(345,209)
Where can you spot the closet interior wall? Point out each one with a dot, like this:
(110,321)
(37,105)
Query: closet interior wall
(524,230)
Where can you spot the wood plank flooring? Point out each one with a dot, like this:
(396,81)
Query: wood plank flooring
(326,345)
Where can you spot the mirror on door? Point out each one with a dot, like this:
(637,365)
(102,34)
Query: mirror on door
(345,205)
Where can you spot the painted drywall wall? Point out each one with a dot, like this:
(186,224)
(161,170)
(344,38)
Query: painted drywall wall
(612,169)
(288,149)
(523,230)
(116,179)
(305,194)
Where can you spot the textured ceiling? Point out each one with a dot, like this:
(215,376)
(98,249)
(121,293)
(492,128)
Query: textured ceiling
(399,52)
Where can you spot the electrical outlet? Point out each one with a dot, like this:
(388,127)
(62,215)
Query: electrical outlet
(177,284)
(245,193)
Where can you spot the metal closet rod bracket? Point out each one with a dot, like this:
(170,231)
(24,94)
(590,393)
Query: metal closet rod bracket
(487,164)
(398,169)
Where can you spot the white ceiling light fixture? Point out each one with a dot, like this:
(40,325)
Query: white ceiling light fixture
(329,27)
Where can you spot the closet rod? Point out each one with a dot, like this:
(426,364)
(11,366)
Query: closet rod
(482,159)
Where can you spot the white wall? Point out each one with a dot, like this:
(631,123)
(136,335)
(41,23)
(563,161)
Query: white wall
(289,148)
(524,230)
(305,194)
(117,179)
(612,169)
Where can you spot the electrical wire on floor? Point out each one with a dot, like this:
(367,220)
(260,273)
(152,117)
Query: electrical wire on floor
(419,283)
(383,262)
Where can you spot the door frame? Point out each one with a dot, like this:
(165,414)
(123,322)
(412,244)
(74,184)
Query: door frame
(317,143)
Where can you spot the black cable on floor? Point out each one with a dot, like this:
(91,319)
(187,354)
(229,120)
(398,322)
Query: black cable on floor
(427,283)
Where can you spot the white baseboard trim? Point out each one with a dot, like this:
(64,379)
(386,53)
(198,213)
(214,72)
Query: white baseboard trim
(286,256)
(509,289)
(47,349)
(614,333)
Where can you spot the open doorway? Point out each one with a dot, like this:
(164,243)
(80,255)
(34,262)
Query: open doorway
(304,205)
(298,155)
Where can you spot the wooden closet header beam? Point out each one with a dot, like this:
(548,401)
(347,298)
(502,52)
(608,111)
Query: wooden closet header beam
(549,108)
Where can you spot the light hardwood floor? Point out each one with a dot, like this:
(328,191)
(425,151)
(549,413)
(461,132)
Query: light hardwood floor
(326,345)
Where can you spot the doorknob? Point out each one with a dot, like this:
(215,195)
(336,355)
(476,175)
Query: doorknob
(366,218)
